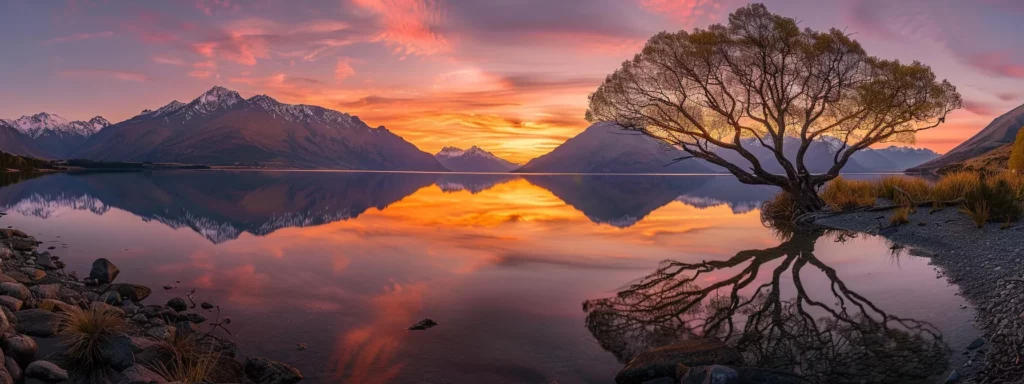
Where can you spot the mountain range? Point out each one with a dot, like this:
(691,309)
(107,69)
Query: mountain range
(221,128)
(473,159)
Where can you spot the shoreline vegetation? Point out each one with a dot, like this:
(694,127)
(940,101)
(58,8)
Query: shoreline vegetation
(55,327)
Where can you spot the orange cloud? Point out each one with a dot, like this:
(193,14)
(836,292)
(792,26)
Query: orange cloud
(409,25)
(367,354)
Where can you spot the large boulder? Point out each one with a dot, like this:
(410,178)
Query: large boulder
(46,371)
(137,373)
(226,370)
(662,361)
(103,271)
(33,274)
(37,322)
(265,371)
(22,348)
(45,260)
(53,305)
(177,304)
(133,292)
(110,297)
(15,290)
(118,352)
(7,377)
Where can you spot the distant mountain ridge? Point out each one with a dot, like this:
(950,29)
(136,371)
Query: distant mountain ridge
(1001,131)
(473,159)
(221,128)
(607,148)
(47,135)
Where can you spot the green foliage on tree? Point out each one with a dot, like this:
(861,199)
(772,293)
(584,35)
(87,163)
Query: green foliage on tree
(1016,163)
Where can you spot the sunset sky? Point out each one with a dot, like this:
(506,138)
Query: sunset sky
(511,76)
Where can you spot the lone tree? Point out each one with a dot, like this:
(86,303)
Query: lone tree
(1016,161)
(762,85)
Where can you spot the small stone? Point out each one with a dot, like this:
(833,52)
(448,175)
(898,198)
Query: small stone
(162,332)
(33,273)
(168,287)
(16,290)
(112,298)
(140,318)
(301,346)
(43,370)
(177,304)
(45,260)
(45,291)
(103,271)
(423,325)
(11,303)
(265,371)
(206,305)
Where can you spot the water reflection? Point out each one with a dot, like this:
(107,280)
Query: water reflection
(781,307)
(221,205)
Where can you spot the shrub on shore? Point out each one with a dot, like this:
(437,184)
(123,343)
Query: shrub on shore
(954,186)
(83,332)
(843,194)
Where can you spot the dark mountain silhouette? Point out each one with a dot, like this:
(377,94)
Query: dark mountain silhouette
(1001,131)
(607,148)
(221,128)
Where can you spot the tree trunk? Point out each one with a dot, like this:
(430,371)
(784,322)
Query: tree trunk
(806,197)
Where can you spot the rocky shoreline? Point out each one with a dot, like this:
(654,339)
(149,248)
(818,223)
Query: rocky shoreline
(38,299)
(986,264)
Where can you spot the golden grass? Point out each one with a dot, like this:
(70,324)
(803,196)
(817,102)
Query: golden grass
(841,194)
(978,211)
(83,331)
(190,362)
(900,216)
(780,214)
(904,190)
(954,186)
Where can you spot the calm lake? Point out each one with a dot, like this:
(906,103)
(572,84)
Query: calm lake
(344,262)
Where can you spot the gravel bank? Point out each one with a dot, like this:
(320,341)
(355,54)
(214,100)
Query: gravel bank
(986,264)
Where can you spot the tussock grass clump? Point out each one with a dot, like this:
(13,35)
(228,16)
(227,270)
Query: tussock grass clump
(780,214)
(994,201)
(83,331)
(978,211)
(900,216)
(1014,181)
(191,362)
(954,186)
(841,194)
(904,190)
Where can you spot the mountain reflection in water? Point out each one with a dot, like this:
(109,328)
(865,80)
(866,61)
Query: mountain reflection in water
(221,205)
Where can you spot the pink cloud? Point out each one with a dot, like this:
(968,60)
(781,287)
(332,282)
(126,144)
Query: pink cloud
(409,25)
(343,69)
(978,108)
(169,60)
(997,63)
(93,73)
(79,37)
(682,10)
(209,6)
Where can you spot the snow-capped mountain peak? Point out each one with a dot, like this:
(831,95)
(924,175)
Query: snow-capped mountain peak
(168,109)
(451,152)
(51,124)
(473,159)
(217,98)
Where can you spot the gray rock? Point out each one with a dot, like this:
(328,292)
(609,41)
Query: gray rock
(133,292)
(16,290)
(7,279)
(22,348)
(43,370)
(162,332)
(111,297)
(13,368)
(265,371)
(107,307)
(977,343)
(662,361)
(206,305)
(37,322)
(139,374)
(53,305)
(140,318)
(45,291)
(103,271)
(177,304)
(118,352)
(45,260)
(711,374)
(11,303)
(953,377)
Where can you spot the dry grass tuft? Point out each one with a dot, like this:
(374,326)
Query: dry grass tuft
(841,194)
(191,362)
(904,190)
(83,331)
(954,186)
(900,216)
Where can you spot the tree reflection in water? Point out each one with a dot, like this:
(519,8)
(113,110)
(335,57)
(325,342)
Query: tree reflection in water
(844,338)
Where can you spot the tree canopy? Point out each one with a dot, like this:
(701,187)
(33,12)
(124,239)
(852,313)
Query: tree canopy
(761,81)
